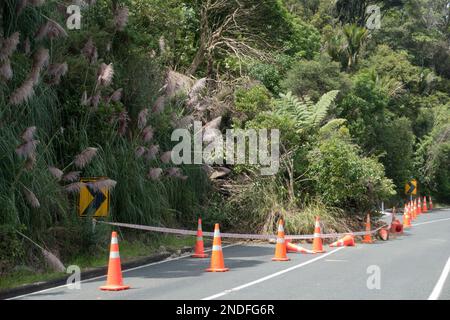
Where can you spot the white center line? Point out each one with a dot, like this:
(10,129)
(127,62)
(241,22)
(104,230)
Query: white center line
(427,222)
(276,274)
(332,260)
(440,284)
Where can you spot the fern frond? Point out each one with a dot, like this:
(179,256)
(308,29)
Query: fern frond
(321,108)
(332,126)
(290,105)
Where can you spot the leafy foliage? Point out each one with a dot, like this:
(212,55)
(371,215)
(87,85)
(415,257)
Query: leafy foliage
(306,114)
(346,179)
(316,77)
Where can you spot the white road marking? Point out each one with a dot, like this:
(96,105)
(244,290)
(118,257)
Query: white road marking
(276,274)
(124,271)
(331,260)
(438,240)
(427,222)
(441,282)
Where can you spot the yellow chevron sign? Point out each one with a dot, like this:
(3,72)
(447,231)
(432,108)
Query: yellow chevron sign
(92,201)
(411,187)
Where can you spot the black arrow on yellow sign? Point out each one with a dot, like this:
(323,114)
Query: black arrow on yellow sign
(98,199)
(411,188)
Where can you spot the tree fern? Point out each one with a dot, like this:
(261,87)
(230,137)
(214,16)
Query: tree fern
(290,105)
(331,127)
(305,113)
(321,108)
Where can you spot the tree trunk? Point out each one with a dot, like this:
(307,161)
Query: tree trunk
(198,60)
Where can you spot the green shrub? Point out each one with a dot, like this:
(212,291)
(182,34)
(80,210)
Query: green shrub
(271,74)
(315,78)
(252,101)
(343,178)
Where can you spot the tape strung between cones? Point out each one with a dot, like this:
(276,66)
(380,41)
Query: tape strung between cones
(236,235)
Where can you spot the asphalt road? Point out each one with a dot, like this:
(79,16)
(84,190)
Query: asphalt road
(413,266)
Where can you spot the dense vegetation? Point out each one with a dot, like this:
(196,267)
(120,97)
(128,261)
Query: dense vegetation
(361,111)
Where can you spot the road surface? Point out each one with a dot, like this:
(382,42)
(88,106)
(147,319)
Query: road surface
(413,266)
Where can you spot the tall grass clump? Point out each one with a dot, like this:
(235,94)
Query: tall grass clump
(81,107)
(257,205)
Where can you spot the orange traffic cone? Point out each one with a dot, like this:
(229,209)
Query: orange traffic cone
(199,247)
(424,209)
(114,280)
(280,248)
(417,212)
(393,215)
(368,235)
(431,203)
(406,218)
(317,242)
(217,262)
(396,225)
(414,211)
(419,206)
(346,241)
(384,234)
(294,248)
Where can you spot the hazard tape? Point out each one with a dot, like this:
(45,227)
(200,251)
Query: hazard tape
(235,235)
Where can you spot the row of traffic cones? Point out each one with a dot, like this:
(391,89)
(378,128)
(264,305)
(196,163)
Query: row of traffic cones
(415,208)
(284,245)
(114,281)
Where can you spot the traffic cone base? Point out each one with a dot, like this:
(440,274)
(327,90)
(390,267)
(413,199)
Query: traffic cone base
(114,288)
(217,269)
(281,259)
(200,255)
